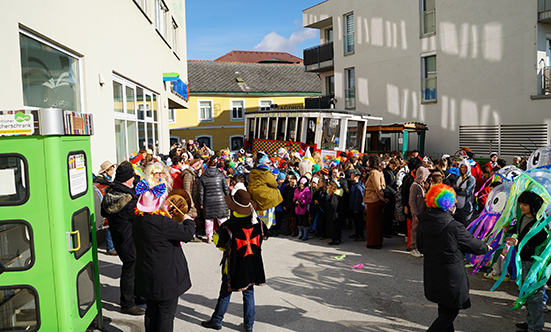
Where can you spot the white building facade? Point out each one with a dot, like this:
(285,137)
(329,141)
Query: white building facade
(123,61)
(474,72)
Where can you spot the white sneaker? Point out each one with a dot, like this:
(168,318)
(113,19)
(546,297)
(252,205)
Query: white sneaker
(416,253)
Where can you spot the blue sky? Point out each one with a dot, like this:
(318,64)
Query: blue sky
(216,27)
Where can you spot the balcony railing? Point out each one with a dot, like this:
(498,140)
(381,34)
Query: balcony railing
(427,21)
(349,43)
(319,58)
(321,102)
(546,86)
(350,98)
(428,89)
(544,10)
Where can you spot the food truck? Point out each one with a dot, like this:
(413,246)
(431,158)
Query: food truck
(49,278)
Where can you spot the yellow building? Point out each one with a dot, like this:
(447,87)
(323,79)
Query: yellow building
(221,93)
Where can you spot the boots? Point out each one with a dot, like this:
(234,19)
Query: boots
(305,231)
(300,230)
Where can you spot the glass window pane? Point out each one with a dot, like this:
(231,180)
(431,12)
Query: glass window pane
(120,140)
(236,143)
(13,175)
(264,128)
(281,129)
(130,101)
(132,135)
(331,132)
(117,97)
(81,223)
(148,106)
(86,289)
(273,128)
(149,135)
(311,131)
(18,309)
(299,130)
(16,250)
(141,136)
(291,123)
(156,135)
(430,64)
(140,100)
(50,77)
(154,107)
(354,135)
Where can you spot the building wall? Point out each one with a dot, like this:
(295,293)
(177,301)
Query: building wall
(487,57)
(222,126)
(111,37)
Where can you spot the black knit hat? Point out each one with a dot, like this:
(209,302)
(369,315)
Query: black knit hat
(124,173)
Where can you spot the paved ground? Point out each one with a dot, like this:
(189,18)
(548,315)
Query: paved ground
(308,290)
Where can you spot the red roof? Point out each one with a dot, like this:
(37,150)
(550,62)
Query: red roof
(259,57)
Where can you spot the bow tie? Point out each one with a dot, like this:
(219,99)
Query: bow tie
(143,186)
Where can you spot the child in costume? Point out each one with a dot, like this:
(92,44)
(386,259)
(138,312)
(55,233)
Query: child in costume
(302,198)
(289,206)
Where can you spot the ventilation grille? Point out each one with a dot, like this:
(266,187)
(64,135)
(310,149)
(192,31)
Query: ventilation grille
(506,140)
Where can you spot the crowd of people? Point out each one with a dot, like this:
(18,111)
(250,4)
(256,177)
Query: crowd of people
(297,194)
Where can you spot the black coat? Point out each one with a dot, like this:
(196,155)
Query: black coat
(118,206)
(444,243)
(405,189)
(529,248)
(288,201)
(390,179)
(242,242)
(161,267)
(212,189)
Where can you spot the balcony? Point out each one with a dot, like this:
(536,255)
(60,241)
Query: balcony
(350,98)
(427,22)
(319,58)
(544,11)
(321,102)
(428,90)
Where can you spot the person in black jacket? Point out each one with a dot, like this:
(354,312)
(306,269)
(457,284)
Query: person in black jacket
(331,208)
(391,191)
(212,189)
(118,206)
(529,204)
(289,204)
(161,268)
(444,243)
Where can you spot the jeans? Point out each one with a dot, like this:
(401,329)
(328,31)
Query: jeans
(127,284)
(534,307)
(108,240)
(159,315)
(224,301)
(444,321)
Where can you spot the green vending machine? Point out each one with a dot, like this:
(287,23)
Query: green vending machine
(49,278)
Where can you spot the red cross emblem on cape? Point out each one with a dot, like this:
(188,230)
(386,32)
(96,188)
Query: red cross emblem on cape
(248,241)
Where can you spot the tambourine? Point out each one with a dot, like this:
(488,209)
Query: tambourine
(178,203)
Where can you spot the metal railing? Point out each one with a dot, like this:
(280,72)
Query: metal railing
(544,10)
(349,43)
(428,89)
(427,22)
(350,98)
(319,57)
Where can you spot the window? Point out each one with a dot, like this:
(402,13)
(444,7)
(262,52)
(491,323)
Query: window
(236,142)
(354,134)
(86,289)
(349,33)
(171,115)
(205,110)
(428,80)
(161,11)
(13,177)
(291,128)
(174,36)
(236,109)
(427,18)
(19,309)
(50,75)
(81,223)
(328,34)
(134,117)
(17,250)
(330,85)
(350,88)
(331,133)
(142,4)
(205,139)
(265,105)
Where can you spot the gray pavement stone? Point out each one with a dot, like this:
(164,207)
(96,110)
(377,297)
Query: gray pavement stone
(308,290)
